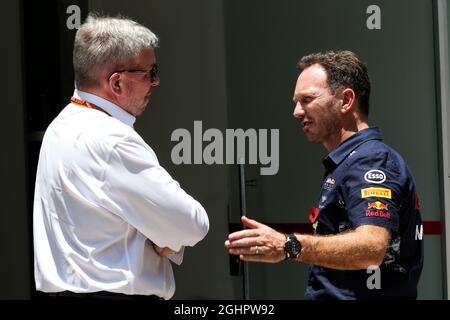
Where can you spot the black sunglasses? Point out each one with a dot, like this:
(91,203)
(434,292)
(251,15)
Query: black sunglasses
(152,73)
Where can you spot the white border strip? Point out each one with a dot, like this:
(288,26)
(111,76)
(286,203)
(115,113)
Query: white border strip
(445,118)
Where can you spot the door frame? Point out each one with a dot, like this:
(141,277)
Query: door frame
(443,121)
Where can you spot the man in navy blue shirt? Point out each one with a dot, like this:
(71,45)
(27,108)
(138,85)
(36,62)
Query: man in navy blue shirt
(367,241)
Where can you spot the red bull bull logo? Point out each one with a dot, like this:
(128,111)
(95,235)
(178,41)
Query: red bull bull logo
(377,205)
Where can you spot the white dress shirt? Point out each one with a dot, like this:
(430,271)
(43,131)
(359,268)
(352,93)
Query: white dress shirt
(101,200)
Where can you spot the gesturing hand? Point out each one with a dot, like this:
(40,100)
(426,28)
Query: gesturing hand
(259,243)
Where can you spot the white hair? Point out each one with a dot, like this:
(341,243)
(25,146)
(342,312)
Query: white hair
(106,42)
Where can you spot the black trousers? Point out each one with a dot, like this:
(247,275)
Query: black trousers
(100,295)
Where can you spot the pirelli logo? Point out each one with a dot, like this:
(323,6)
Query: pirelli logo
(376,192)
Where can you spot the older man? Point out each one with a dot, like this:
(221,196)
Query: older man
(368,212)
(107,216)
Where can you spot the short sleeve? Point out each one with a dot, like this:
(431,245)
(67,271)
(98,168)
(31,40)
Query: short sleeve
(372,190)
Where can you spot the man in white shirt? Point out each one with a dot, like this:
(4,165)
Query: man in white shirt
(107,216)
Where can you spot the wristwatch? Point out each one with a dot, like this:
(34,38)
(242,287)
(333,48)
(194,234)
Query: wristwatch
(292,247)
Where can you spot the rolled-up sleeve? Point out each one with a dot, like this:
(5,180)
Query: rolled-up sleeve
(140,191)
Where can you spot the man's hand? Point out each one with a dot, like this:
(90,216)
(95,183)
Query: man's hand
(259,243)
(163,252)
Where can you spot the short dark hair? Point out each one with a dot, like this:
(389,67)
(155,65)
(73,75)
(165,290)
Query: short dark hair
(344,70)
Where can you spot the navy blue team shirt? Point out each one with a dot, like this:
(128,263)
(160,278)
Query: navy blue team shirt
(368,183)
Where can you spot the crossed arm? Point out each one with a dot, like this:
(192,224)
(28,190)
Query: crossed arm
(358,249)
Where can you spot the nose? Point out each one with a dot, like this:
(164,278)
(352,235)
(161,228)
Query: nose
(299,112)
(155,81)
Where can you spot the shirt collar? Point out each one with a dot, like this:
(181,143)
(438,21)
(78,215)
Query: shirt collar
(113,109)
(338,155)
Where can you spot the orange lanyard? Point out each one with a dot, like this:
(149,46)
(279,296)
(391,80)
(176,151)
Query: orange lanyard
(86,104)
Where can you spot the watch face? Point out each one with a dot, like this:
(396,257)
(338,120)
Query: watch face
(292,246)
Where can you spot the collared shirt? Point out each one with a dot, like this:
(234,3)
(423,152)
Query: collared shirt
(367,182)
(101,201)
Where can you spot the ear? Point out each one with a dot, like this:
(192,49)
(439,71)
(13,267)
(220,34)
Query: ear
(115,84)
(348,100)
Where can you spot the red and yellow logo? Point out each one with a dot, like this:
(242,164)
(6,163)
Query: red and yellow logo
(376,192)
(377,205)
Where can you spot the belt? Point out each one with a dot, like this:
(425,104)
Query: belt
(100,295)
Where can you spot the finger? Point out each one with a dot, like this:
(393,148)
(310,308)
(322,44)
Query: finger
(255,258)
(168,252)
(244,242)
(250,223)
(248,250)
(244,251)
(243,234)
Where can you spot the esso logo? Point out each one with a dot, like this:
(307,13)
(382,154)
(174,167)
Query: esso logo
(375,176)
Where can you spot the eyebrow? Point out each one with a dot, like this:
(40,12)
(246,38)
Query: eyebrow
(299,95)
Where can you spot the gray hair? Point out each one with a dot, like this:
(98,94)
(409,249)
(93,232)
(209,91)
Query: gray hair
(107,42)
